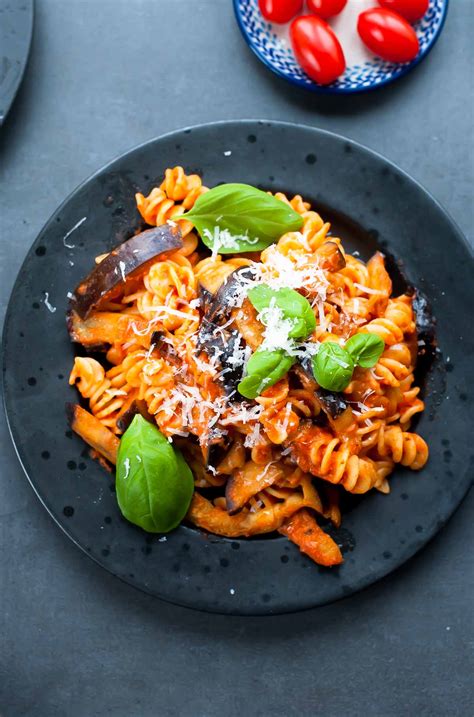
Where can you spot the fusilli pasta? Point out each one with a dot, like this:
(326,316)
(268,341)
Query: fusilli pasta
(261,455)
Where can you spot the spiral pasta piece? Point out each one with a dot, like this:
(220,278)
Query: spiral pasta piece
(394,365)
(409,449)
(105,400)
(213,271)
(297,202)
(160,205)
(181,187)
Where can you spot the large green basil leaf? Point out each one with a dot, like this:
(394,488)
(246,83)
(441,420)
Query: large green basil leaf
(333,366)
(292,305)
(234,218)
(153,481)
(264,368)
(365,349)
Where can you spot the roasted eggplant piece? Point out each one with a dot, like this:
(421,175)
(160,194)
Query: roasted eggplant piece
(126,417)
(244,483)
(205,299)
(167,351)
(103,328)
(126,261)
(330,256)
(210,444)
(332,403)
(203,478)
(93,432)
(207,516)
(225,297)
(216,341)
(303,530)
(223,345)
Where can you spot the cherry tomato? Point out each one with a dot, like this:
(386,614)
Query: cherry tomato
(388,35)
(317,49)
(279,10)
(411,10)
(326,8)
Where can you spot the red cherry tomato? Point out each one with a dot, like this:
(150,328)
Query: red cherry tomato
(279,10)
(388,35)
(317,49)
(326,8)
(411,10)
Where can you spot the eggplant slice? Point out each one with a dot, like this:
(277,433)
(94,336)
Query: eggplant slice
(205,299)
(224,300)
(103,328)
(93,432)
(167,350)
(219,342)
(125,261)
(137,406)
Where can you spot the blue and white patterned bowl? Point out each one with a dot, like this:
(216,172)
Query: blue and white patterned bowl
(364,71)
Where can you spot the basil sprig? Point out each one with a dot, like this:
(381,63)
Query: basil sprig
(153,481)
(293,306)
(246,219)
(365,349)
(334,365)
(264,368)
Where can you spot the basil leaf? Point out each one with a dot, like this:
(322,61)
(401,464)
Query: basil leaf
(365,349)
(264,368)
(238,218)
(333,367)
(292,305)
(153,481)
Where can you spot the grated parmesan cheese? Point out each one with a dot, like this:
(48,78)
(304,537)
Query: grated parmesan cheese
(115,392)
(49,306)
(68,234)
(254,437)
(223,239)
(277,328)
(368,290)
(164,311)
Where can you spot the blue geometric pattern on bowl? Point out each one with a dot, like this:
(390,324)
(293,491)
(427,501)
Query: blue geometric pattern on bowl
(278,55)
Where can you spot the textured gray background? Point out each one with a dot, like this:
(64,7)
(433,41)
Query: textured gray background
(105,75)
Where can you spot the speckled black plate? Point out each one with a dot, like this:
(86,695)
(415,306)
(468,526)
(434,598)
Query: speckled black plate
(373,203)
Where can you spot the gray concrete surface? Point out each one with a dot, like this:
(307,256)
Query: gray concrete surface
(105,75)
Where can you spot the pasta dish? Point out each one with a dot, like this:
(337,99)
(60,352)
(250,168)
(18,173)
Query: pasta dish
(275,370)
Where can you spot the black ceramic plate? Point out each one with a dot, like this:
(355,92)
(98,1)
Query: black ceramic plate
(374,204)
(16,27)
